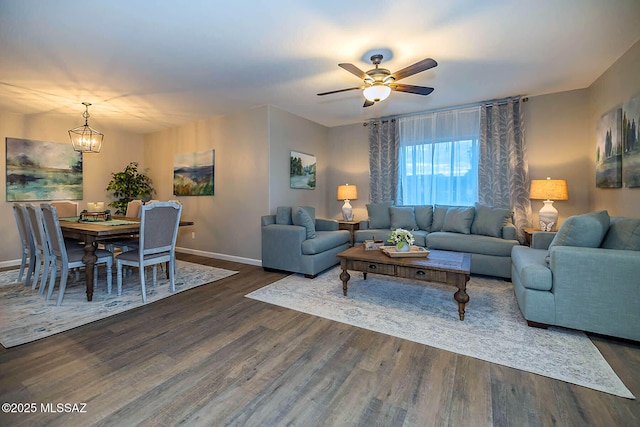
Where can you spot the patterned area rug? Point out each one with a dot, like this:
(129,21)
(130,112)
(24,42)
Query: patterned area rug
(493,330)
(26,316)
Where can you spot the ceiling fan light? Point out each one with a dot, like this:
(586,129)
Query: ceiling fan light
(377,92)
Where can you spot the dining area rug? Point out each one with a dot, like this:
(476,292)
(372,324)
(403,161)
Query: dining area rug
(26,316)
(493,329)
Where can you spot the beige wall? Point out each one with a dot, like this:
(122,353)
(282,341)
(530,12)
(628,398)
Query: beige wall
(349,164)
(227,225)
(289,132)
(616,86)
(558,144)
(118,149)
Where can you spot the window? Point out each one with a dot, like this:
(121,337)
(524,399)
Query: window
(439,158)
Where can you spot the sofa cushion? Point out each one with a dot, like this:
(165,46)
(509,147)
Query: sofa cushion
(471,243)
(489,220)
(439,212)
(379,215)
(283,215)
(403,217)
(458,220)
(324,241)
(420,237)
(623,234)
(301,217)
(424,217)
(586,230)
(532,267)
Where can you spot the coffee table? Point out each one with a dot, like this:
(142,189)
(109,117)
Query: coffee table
(451,268)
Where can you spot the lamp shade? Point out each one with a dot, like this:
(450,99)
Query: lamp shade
(377,92)
(347,192)
(549,189)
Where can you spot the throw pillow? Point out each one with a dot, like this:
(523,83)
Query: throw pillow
(586,230)
(379,215)
(424,217)
(623,234)
(489,220)
(458,220)
(283,215)
(303,219)
(439,212)
(403,217)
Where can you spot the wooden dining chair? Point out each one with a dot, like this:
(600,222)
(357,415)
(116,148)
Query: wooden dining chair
(68,257)
(28,255)
(66,209)
(159,223)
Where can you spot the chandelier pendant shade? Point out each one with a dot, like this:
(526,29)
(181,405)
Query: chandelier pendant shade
(84,138)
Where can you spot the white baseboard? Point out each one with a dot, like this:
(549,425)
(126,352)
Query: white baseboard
(10,263)
(224,257)
(242,260)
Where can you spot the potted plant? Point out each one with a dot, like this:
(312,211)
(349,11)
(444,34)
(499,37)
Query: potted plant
(128,185)
(402,239)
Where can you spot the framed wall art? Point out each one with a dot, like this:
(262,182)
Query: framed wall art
(39,170)
(193,173)
(609,150)
(302,171)
(631,143)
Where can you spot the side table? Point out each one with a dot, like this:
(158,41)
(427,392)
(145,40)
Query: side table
(528,233)
(351,227)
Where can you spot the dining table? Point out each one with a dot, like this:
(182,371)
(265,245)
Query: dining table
(95,231)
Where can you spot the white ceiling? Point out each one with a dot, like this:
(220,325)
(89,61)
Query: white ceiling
(147,65)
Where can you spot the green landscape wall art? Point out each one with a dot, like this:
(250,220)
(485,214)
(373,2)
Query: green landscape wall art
(631,143)
(302,171)
(609,150)
(193,173)
(38,170)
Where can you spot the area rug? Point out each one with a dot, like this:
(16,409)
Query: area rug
(493,330)
(26,316)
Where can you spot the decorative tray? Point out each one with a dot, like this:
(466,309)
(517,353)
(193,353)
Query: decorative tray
(415,251)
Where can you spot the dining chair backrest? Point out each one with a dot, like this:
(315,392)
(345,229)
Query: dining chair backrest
(22,220)
(133,209)
(65,208)
(53,231)
(159,223)
(37,228)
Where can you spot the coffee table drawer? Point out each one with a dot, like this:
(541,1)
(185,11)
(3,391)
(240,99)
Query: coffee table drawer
(374,267)
(422,274)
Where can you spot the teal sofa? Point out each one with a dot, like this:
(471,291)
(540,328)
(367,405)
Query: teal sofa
(585,277)
(487,233)
(294,240)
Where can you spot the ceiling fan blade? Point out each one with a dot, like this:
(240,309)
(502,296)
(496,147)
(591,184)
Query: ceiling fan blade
(340,90)
(368,103)
(419,90)
(416,68)
(354,70)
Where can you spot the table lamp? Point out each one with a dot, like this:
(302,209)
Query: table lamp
(347,192)
(548,190)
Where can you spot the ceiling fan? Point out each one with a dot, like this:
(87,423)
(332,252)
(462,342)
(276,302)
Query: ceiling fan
(379,82)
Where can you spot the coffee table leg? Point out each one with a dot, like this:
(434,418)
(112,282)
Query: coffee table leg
(344,276)
(461,295)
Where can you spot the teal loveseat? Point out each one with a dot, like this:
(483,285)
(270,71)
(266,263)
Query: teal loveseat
(585,277)
(487,233)
(294,240)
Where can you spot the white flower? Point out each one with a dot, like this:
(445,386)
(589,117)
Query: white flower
(400,236)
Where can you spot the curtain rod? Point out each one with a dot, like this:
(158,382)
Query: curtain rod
(499,101)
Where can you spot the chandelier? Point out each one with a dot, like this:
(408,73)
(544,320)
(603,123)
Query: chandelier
(85,139)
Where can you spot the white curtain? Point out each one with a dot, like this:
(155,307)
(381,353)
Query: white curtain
(438,158)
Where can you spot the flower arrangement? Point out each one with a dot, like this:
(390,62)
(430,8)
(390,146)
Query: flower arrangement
(400,237)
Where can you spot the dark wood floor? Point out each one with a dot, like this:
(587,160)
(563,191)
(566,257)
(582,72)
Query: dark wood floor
(209,356)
